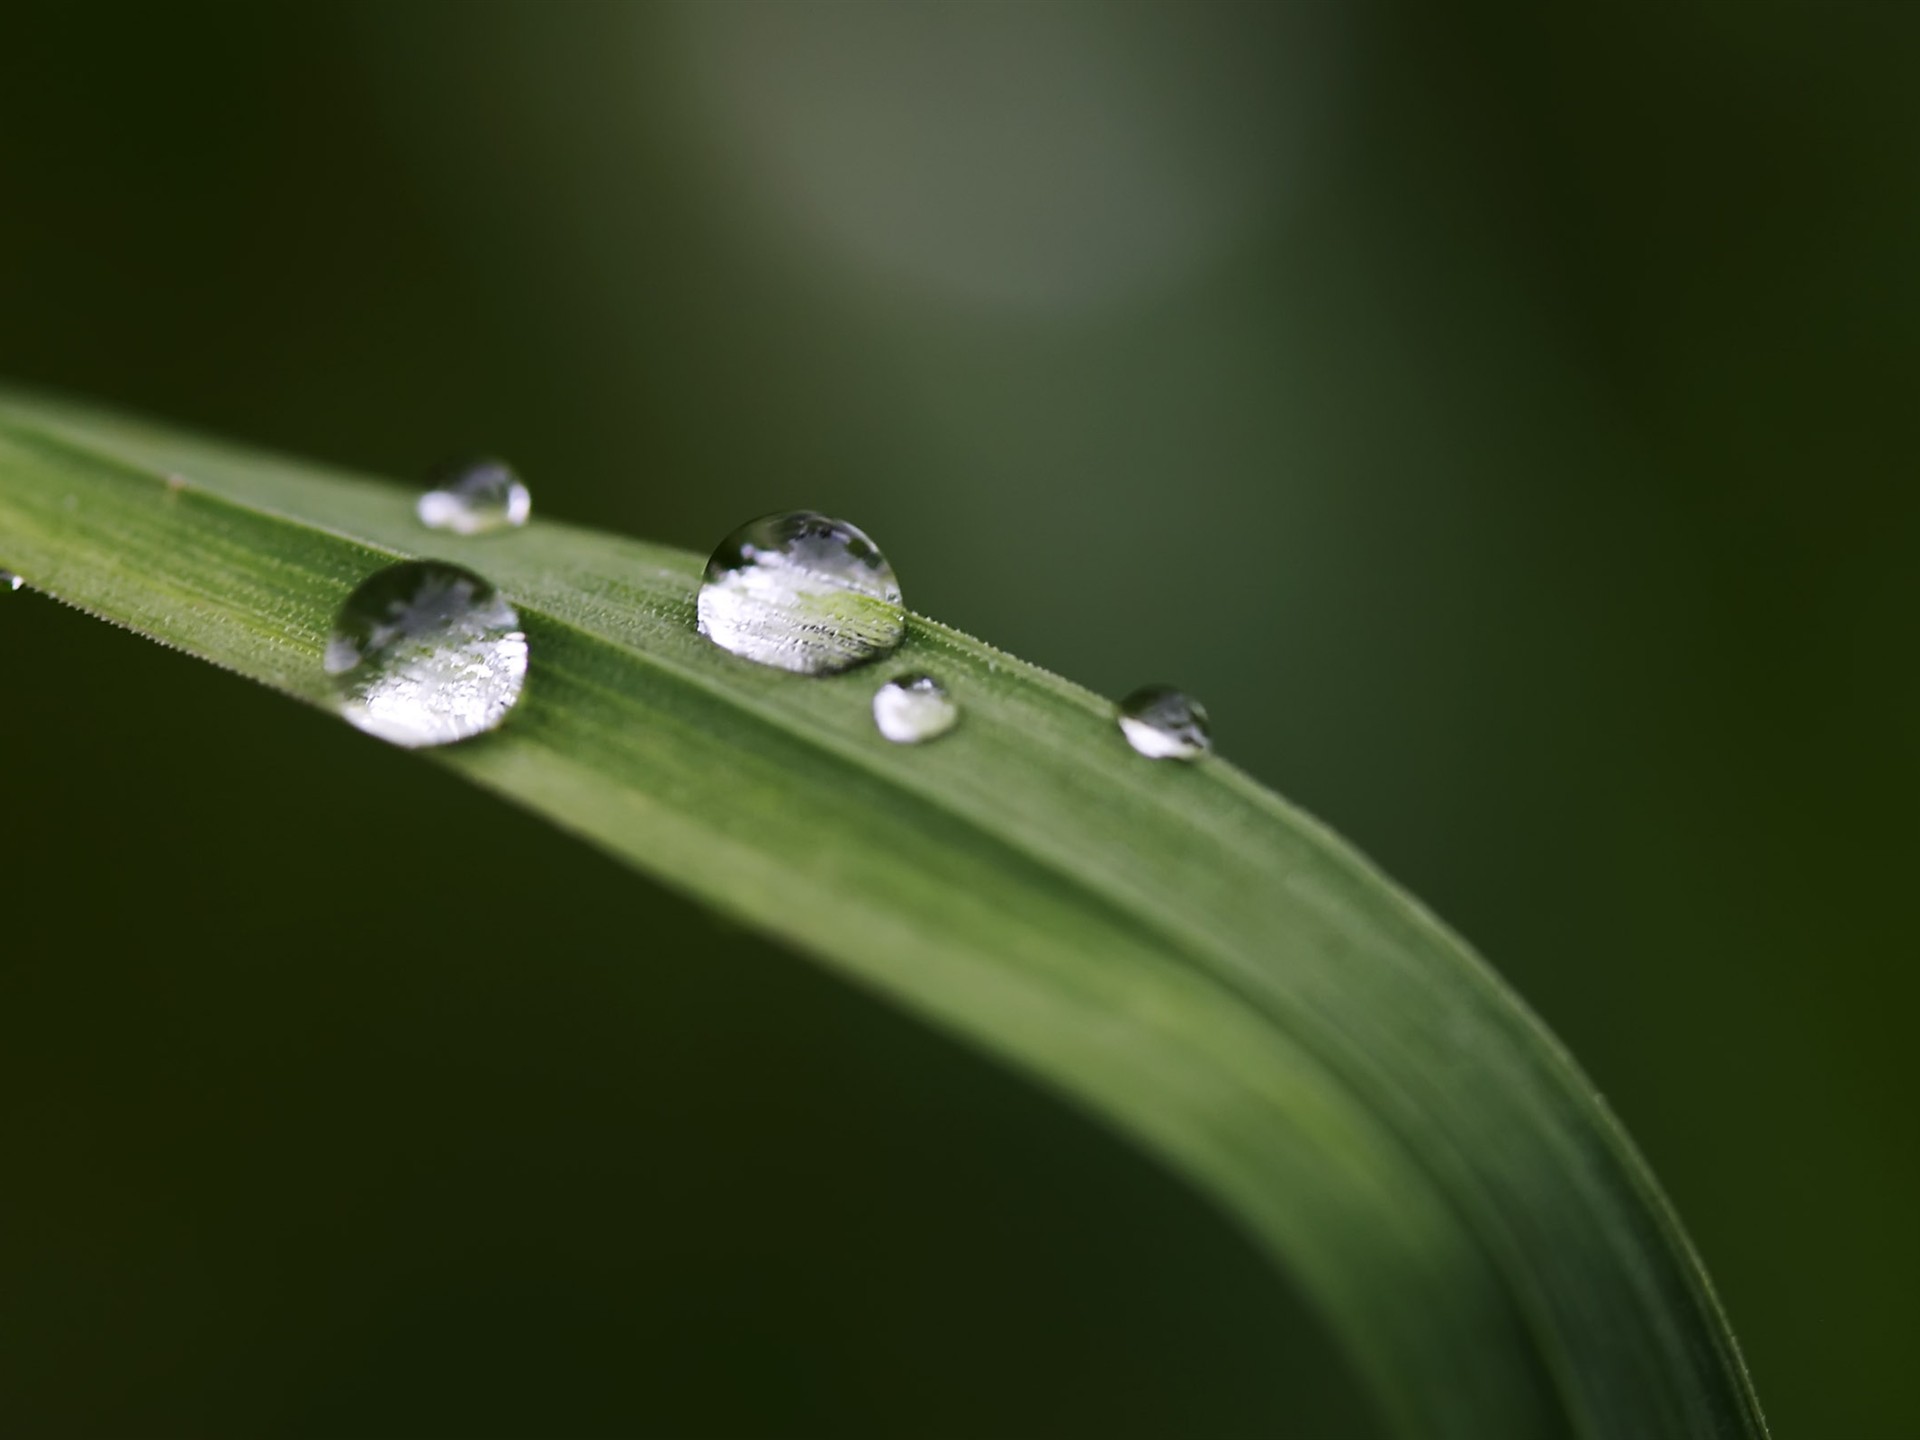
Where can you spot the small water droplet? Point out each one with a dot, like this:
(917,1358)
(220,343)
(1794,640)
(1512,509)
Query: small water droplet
(474,497)
(10,580)
(1165,724)
(425,653)
(801,592)
(913,708)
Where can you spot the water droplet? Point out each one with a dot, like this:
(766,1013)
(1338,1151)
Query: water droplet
(1164,724)
(425,653)
(473,497)
(913,708)
(10,580)
(801,592)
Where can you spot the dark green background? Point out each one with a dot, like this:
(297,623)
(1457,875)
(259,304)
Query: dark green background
(1504,421)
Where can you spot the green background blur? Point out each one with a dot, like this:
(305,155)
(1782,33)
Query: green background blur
(1504,420)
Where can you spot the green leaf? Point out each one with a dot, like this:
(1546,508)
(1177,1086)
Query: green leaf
(1173,947)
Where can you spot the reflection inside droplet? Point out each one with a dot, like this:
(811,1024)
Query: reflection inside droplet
(913,709)
(1164,724)
(803,592)
(473,497)
(426,653)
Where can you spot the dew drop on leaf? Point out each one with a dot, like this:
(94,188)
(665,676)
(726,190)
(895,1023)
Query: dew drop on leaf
(801,592)
(425,653)
(1165,724)
(10,581)
(913,708)
(473,497)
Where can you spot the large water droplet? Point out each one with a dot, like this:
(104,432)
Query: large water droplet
(801,592)
(425,653)
(10,581)
(914,708)
(1165,724)
(472,497)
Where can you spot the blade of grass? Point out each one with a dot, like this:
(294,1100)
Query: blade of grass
(1173,948)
